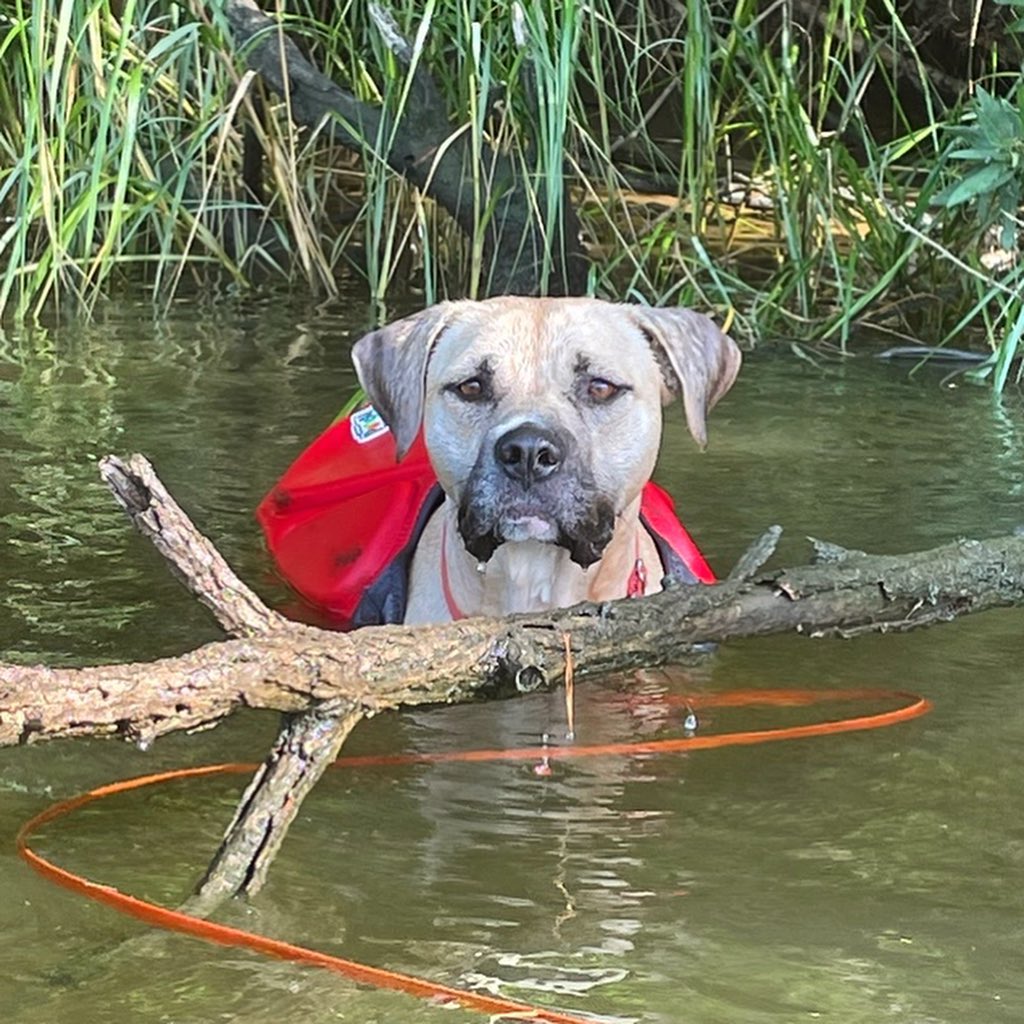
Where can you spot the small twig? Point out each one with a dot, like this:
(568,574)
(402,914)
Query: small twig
(827,553)
(530,78)
(391,33)
(570,688)
(756,555)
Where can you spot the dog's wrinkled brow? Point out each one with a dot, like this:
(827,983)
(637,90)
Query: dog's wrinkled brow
(583,367)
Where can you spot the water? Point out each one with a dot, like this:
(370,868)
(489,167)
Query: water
(859,878)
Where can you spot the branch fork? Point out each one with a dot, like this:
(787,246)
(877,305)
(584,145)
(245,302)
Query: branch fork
(325,682)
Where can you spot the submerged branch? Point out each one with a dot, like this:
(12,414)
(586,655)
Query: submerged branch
(305,748)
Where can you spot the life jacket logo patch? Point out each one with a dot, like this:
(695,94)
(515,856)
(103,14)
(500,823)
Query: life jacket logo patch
(366,425)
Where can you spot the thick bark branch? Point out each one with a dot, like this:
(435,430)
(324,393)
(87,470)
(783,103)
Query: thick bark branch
(312,96)
(327,682)
(298,666)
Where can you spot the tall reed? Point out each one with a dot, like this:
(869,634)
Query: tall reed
(725,154)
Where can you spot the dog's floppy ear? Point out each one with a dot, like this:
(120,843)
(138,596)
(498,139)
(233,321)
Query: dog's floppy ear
(391,363)
(702,360)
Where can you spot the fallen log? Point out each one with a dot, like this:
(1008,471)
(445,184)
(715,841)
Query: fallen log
(327,681)
(289,666)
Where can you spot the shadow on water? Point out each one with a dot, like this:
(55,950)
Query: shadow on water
(765,884)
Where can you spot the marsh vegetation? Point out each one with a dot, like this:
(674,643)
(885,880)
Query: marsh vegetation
(818,173)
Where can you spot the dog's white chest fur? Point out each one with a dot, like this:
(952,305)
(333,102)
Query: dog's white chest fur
(528,576)
(521,576)
(524,576)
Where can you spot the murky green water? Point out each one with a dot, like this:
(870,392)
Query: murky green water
(860,878)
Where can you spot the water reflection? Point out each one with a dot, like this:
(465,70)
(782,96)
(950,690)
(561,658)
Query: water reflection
(812,879)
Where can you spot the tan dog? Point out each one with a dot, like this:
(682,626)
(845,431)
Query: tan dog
(542,418)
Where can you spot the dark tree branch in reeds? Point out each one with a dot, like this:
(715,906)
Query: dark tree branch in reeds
(420,143)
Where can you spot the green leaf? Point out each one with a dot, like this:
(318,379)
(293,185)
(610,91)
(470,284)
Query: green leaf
(1008,204)
(998,120)
(984,155)
(981,181)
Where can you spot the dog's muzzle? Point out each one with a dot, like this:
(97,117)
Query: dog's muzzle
(530,485)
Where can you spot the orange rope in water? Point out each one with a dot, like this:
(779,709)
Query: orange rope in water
(910,706)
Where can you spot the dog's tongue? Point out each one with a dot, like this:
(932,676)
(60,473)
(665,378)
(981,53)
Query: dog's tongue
(528,527)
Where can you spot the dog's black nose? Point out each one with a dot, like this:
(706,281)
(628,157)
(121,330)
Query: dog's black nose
(528,453)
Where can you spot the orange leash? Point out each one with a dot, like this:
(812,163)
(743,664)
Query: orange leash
(910,706)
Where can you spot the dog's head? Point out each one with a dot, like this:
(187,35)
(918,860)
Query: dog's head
(542,417)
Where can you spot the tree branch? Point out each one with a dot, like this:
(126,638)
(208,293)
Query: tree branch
(192,558)
(293,666)
(308,741)
(305,748)
(422,146)
(326,682)
(312,95)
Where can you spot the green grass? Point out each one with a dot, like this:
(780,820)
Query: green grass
(122,144)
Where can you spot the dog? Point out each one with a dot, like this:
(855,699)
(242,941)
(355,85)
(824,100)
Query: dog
(542,419)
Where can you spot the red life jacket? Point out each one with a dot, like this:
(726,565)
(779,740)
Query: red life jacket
(343,522)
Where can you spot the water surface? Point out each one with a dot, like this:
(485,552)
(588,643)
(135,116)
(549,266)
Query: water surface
(859,878)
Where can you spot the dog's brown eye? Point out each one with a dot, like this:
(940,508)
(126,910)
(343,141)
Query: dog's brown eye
(478,387)
(471,390)
(600,390)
